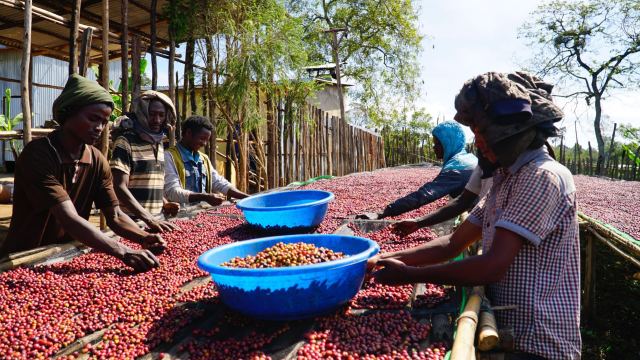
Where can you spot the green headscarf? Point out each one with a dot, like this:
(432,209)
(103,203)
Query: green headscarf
(79,92)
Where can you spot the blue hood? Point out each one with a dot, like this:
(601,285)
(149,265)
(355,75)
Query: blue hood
(452,138)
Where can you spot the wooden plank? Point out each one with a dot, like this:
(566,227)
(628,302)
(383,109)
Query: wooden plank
(85,51)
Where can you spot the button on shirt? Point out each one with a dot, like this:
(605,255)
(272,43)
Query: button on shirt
(535,198)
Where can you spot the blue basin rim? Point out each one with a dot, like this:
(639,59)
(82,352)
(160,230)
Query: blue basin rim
(241,206)
(222,270)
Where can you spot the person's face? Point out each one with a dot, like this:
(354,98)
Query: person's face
(157,115)
(481,144)
(437,148)
(198,140)
(88,122)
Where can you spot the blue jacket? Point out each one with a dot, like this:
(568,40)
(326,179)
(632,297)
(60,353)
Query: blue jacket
(457,166)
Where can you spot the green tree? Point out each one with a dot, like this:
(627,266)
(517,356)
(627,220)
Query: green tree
(632,147)
(379,49)
(254,50)
(593,45)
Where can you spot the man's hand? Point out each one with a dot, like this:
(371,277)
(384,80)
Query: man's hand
(369,216)
(406,227)
(170,209)
(160,225)
(393,272)
(372,263)
(214,199)
(140,260)
(154,243)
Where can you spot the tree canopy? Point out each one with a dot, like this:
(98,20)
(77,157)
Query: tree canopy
(592,46)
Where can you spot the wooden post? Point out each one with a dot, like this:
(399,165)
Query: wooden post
(85,51)
(73,38)
(190,76)
(635,164)
(211,105)
(25,72)
(613,136)
(136,54)
(590,159)
(124,44)
(172,87)
(488,337)
(182,105)
(152,46)
(104,79)
(588,294)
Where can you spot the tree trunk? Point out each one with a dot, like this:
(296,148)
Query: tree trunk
(596,127)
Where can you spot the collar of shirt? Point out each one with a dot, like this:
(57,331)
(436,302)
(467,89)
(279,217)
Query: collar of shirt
(527,157)
(55,144)
(187,155)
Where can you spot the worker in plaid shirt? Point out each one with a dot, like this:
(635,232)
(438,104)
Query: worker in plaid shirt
(527,223)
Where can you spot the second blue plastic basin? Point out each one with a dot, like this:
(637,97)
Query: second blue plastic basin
(286,210)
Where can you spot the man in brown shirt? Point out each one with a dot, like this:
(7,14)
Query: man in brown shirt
(59,177)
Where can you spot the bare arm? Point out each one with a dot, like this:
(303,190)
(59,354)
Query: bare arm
(83,231)
(452,209)
(440,249)
(121,187)
(122,224)
(477,270)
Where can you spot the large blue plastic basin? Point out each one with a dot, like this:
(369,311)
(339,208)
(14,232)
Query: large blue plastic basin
(294,292)
(286,210)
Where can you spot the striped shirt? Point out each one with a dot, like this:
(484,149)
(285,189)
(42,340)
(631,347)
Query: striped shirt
(144,163)
(535,198)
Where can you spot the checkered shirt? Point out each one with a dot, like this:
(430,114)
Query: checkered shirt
(535,198)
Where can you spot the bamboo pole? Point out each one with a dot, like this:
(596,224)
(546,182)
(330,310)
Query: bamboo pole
(488,336)
(463,348)
(152,46)
(124,45)
(73,37)
(35,257)
(25,71)
(172,87)
(104,79)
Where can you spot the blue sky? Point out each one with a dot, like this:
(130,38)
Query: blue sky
(464,38)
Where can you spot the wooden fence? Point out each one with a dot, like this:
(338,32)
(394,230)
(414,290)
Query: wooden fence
(618,165)
(312,145)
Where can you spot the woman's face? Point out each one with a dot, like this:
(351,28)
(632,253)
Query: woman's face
(484,148)
(437,148)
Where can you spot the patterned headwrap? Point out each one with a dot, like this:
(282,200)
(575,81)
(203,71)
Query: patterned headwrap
(484,100)
(139,122)
(79,92)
